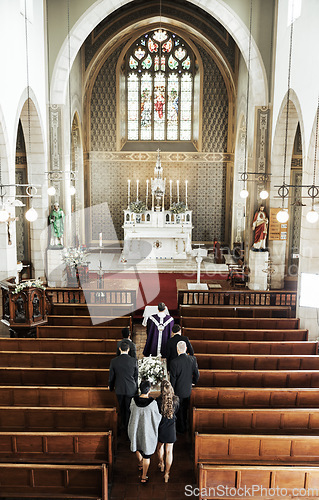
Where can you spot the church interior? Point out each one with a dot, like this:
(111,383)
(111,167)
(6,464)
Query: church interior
(156,151)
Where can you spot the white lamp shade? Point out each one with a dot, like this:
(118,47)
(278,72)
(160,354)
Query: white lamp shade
(312,216)
(72,190)
(282,216)
(244,193)
(31,215)
(4,215)
(51,191)
(264,194)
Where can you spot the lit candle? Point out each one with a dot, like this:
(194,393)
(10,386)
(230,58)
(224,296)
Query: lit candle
(177,185)
(128,192)
(186,182)
(170,188)
(137,182)
(101,242)
(147,182)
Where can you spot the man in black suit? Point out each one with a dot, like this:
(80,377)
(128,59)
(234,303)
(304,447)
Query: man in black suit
(126,334)
(123,378)
(171,348)
(183,374)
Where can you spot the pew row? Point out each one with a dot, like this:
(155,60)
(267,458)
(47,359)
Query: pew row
(78,397)
(256,362)
(43,419)
(81,482)
(80,332)
(79,377)
(253,335)
(57,447)
(241,323)
(240,311)
(258,378)
(75,309)
(59,345)
(245,347)
(248,397)
(122,321)
(260,420)
(41,359)
(276,482)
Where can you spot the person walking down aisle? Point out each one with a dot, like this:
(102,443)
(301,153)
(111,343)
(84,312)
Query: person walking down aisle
(171,349)
(183,374)
(126,334)
(143,428)
(168,405)
(123,377)
(158,330)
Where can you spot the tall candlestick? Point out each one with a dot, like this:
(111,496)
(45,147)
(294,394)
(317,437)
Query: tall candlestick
(128,192)
(147,182)
(137,182)
(170,192)
(100,242)
(177,185)
(186,182)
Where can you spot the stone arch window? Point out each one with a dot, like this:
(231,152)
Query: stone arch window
(160,69)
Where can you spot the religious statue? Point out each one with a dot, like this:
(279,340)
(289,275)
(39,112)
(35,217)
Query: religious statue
(260,226)
(56,220)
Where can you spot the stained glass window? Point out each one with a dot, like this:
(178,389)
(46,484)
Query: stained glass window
(160,94)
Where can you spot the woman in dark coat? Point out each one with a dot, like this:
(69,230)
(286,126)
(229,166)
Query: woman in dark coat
(168,405)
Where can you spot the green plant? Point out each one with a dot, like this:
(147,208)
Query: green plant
(178,207)
(137,207)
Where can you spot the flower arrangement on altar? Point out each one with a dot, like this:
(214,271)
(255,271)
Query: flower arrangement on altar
(178,207)
(138,207)
(74,257)
(27,284)
(152,369)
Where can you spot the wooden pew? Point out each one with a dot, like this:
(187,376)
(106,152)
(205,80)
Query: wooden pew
(241,323)
(59,345)
(245,347)
(122,321)
(256,362)
(79,377)
(240,448)
(57,481)
(233,311)
(262,420)
(53,447)
(287,480)
(74,309)
(249,397)
(78,397)
(258,378)
(230,334)
(80,332)
(41,359)
(44,419)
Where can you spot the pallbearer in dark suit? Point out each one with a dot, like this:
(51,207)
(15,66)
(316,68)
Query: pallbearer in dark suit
(183,374)
(126,334)
(171,347)
(123,378)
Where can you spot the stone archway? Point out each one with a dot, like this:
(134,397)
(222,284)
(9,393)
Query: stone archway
(37,167)
(101,9)
(278,248)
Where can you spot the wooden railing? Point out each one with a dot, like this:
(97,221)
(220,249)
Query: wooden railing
(91,296)
(238,298)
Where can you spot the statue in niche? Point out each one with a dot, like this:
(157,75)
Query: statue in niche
(56,220)
(260,226)
(20,310)
(36,306)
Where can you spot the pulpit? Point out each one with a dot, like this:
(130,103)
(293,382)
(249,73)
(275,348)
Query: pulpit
(23,309)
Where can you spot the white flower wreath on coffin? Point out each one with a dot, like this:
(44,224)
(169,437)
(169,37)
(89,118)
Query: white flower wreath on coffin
(151,368)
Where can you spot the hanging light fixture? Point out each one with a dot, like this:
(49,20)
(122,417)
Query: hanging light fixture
(51,191)
(264,194)
(283,191)
(244,176)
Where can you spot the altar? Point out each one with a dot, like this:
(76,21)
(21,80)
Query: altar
(157,233)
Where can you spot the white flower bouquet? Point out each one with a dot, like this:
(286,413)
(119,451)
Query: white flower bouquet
(27,284)
(152,369)
(138,207)
(178,207)
(74,257)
